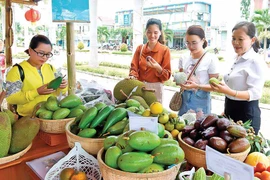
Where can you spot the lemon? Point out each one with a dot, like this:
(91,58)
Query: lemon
(146,113)
(156,108)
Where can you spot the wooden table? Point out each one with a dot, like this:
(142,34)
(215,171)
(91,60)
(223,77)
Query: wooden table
(18,170)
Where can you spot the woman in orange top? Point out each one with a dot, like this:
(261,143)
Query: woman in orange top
(151,62)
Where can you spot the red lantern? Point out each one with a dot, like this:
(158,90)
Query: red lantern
(32,15)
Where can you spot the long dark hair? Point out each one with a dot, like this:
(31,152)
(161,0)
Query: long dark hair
(198,31)
(153,21)
(250,30)
(36,40)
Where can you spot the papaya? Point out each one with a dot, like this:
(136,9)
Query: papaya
(115,116)
(111,156)
(134,161)
(61,113)
(168,154)
(109,141)
(154,167)
(88,117)
(70,101)
(143,140)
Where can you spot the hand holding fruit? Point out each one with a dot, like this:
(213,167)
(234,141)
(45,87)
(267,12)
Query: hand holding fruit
(151,62)
(189,85)
(43,90)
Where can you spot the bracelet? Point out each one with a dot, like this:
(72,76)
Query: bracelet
(236,93)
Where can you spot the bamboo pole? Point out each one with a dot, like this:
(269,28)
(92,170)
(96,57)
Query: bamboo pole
(8,33)
(71,58)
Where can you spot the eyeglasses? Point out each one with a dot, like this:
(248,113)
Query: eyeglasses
(41,54)
(193,44)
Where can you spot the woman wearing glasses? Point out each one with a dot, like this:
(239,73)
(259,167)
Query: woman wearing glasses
(196,97)
(28,91)
(244,82)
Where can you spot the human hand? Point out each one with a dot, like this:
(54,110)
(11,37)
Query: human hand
(151,62)
(63,84)
(43,90)
(131,77)
(189,85)
(221,88)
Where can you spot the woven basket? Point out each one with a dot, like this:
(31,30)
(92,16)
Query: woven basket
(14,156)
(54,126)
(90,145)
(196,157)
(109,173)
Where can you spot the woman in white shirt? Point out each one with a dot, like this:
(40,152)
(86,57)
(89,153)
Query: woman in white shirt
(244,82)
(196,96)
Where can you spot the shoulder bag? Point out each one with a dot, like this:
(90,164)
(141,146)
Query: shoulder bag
(176,101)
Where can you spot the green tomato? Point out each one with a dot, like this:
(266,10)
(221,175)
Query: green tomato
(163,118)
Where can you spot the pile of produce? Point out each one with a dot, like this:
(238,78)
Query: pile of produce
(53,109)
(141,152)
(218,132)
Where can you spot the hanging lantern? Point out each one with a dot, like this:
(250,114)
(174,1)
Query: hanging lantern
(32,15)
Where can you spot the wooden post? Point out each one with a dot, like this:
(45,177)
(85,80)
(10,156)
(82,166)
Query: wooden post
(8,33)
(71,58)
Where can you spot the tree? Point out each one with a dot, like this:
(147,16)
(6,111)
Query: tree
(102,34)
(126,33)
(61,35)
(245,9)
(261,19)
(168,33)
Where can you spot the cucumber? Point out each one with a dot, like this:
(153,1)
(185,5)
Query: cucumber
(102,115)
(87,117)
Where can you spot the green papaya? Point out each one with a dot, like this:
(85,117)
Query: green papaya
(109,141)
(87,133)
(118,128)
(112,155)
(55,83)
(143,140)
(168,154)
(52,103)
(101,116)
(152,168)
(134,161)
(75,113)
(100,105)
(61,113)
(88,117)
(115,116)
(70,101)
(132,103)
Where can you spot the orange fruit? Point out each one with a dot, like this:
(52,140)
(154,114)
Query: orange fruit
(265,175)
(79,176)
(66,173)
(260,167)
(255,157)
(174,133)
(257,174)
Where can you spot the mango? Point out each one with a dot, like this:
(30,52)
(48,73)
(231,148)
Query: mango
(154,167)
(61,113)
(214,80)
(168,154)
(132,103)
(52,103)
(134,161)
(70,101)
(112,155)
(109,142)
(168,141)
(55,83)
(45,114)
(75,113)
(87,133)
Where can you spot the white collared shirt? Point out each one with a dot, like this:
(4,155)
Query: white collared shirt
(247,74)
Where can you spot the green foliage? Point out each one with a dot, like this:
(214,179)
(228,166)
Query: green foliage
(109,64)
(123,47)
(80,45)
(20,55)
(266,96)
(122,53)
(103,34)
(93,70)
(117,74)
(267,84)
(245,9)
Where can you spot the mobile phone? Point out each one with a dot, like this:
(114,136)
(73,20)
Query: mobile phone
(148,57)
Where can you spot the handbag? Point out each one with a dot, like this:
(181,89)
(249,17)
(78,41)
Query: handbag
(176,101)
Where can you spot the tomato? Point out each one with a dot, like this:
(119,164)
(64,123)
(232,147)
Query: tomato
(265,175)
(260,167)
(257,174)
(268,169)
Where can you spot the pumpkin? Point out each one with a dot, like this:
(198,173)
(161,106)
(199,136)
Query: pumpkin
(255,157)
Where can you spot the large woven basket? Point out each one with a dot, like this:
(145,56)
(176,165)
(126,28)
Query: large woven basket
(13,157)
(109,173)
(196,157)
(90,145)
(54,126)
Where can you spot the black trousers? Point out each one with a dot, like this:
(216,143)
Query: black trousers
(244,110)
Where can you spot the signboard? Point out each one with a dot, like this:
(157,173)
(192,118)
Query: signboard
(126,19)
(70,11)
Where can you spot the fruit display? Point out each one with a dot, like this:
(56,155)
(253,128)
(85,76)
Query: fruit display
(53,109)
(141,152)
(218,132)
